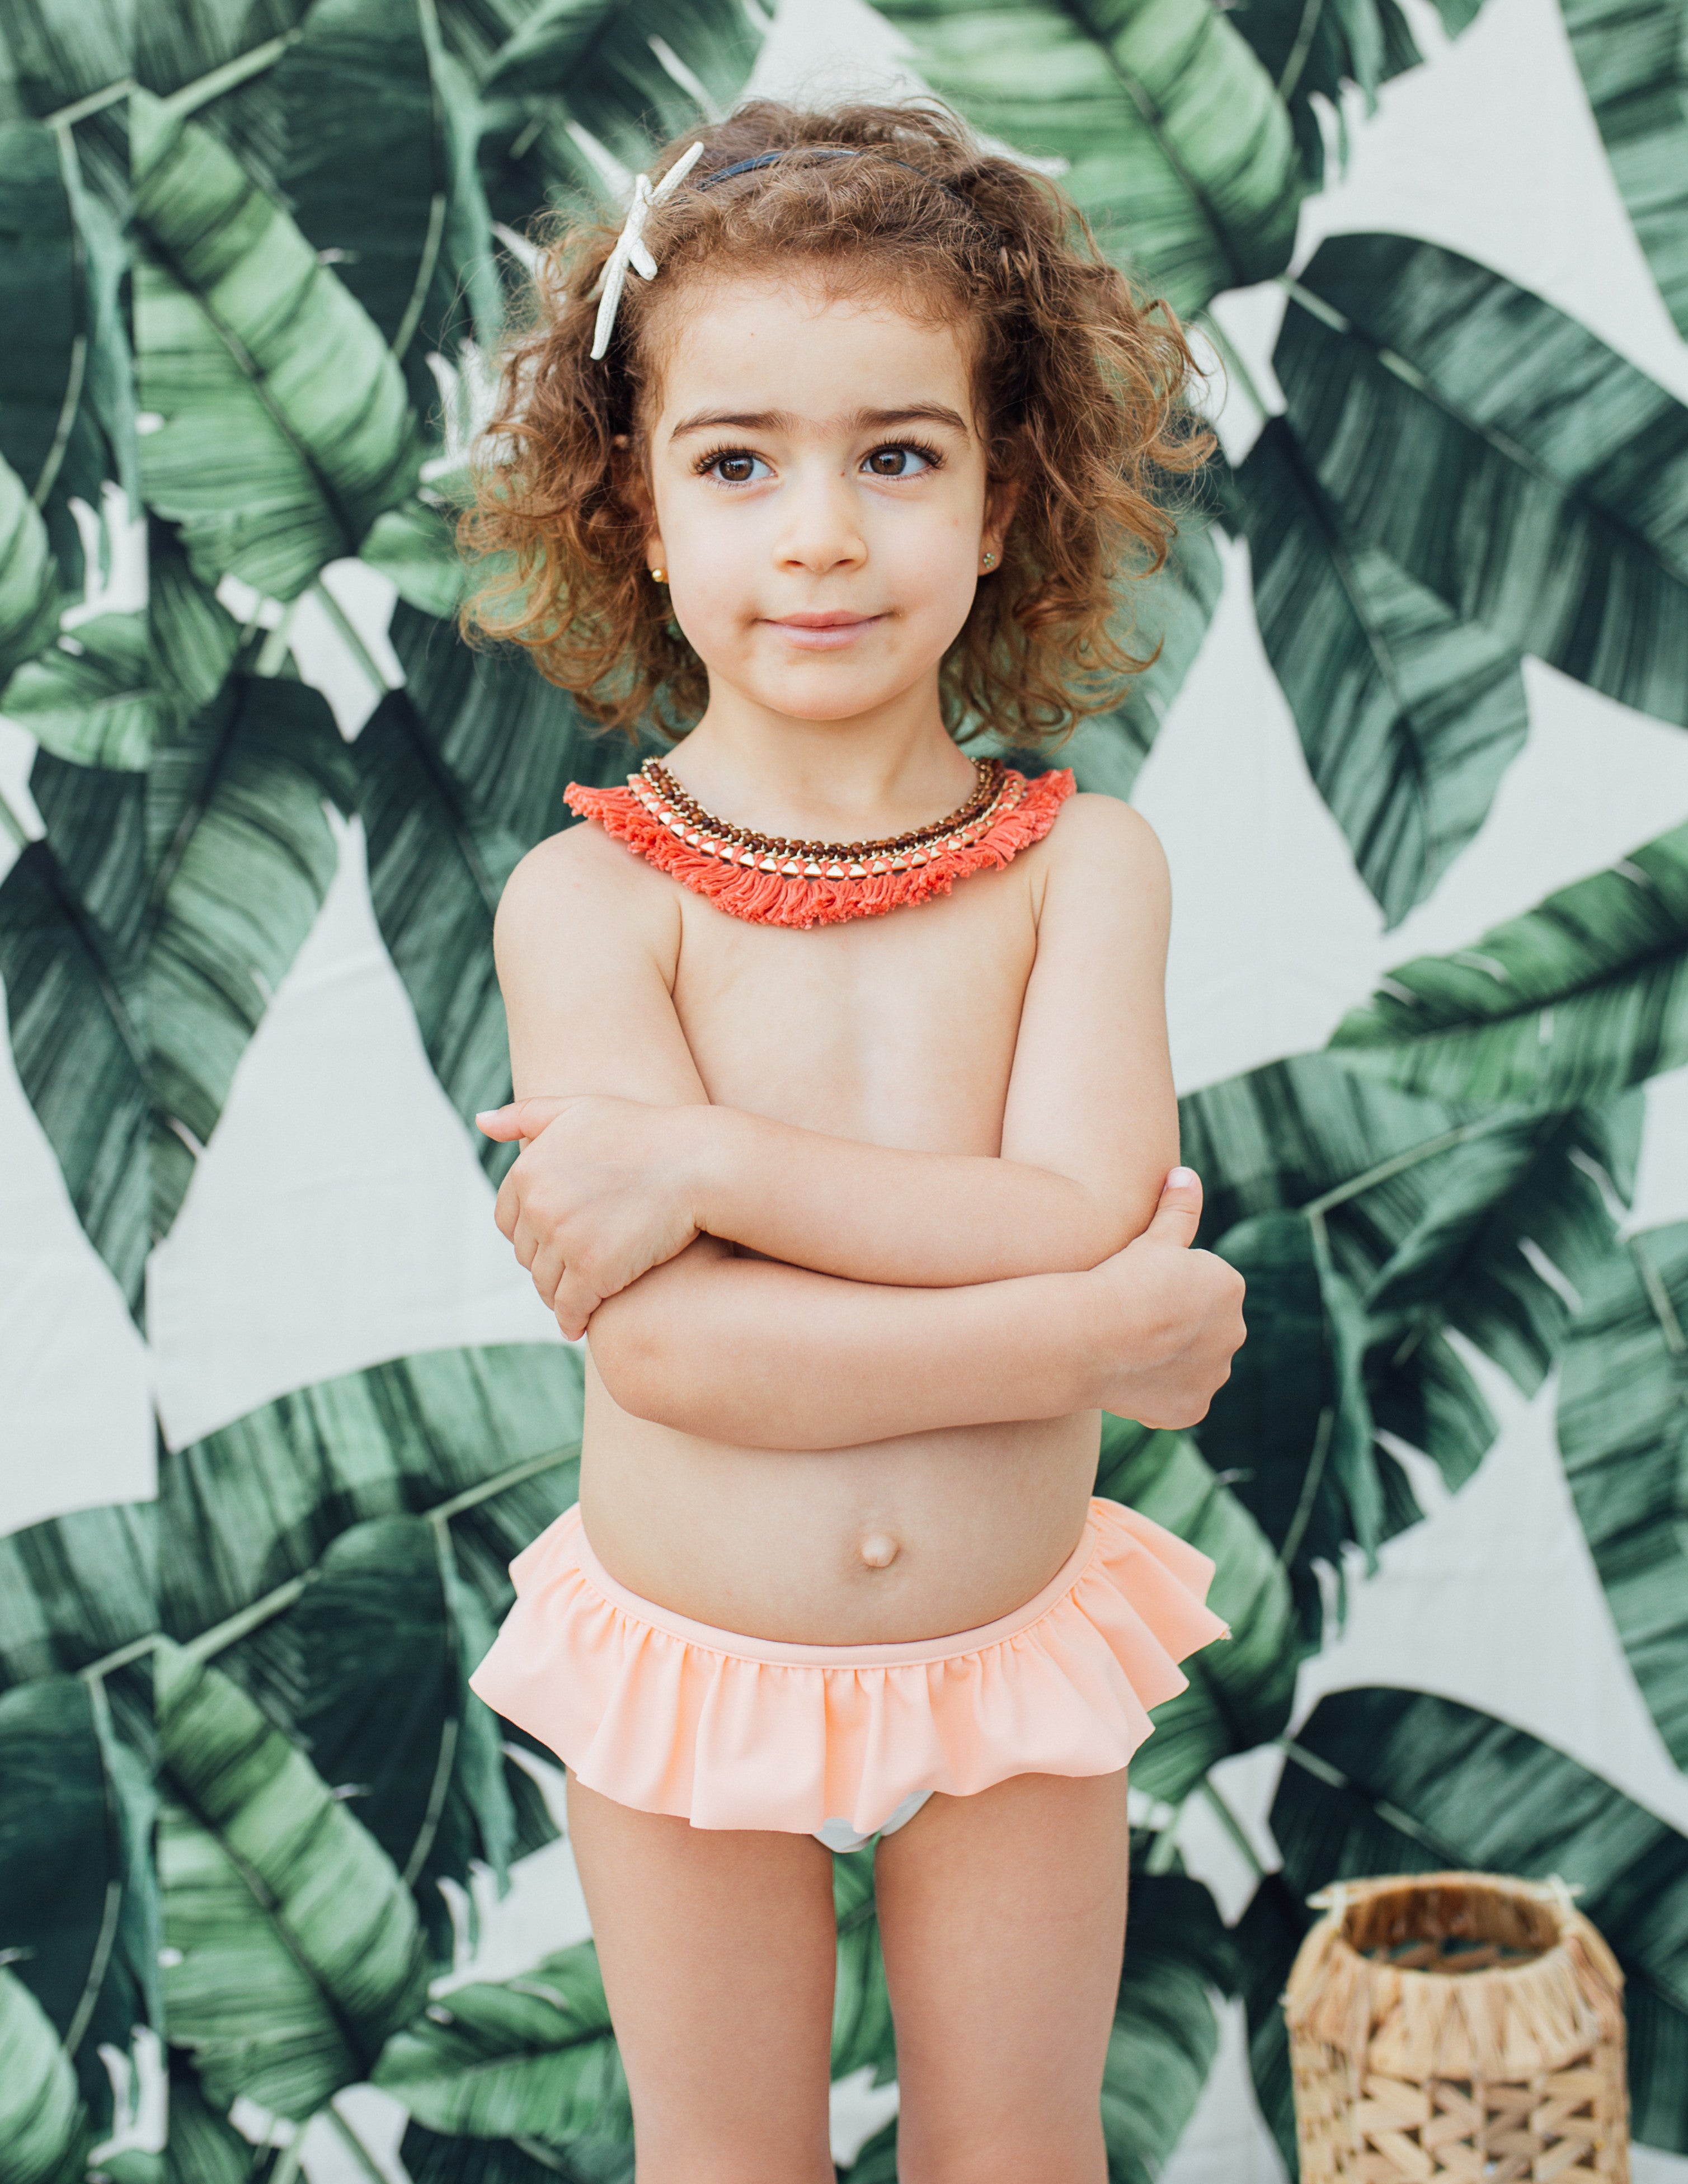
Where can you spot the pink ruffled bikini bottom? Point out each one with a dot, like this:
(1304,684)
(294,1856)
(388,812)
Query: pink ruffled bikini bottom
(842,1741)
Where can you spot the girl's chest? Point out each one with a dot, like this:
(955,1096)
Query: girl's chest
(898,1030)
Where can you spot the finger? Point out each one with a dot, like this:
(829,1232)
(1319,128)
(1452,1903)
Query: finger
(524,1242)
(571,1325)
(521,1118)
(507,1207)
(574,1303)
(1178,1215)
(546,1269)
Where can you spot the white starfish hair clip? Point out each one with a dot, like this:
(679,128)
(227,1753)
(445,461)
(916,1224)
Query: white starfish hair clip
(630,249)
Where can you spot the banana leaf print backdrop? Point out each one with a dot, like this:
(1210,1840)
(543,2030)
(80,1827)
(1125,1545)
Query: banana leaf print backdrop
(276,1892)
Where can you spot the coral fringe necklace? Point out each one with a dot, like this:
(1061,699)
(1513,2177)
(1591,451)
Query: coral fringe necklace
(771,881)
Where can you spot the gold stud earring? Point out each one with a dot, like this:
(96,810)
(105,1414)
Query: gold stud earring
(661,575)
(990,561)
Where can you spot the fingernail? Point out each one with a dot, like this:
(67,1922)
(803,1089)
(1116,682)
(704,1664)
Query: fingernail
(1181,1177)
(487,1114)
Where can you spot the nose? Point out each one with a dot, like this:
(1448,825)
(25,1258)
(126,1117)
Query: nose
(822,530)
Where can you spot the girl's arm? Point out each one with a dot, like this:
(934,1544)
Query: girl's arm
(766,1356)
(774,1355)
(608,1188)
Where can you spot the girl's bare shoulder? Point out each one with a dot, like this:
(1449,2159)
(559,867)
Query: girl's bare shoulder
(1100,840)
(581,888)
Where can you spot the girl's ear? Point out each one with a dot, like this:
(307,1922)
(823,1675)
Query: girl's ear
(1001,498)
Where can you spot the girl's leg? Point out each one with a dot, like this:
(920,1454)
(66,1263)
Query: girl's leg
(1002,1918)
(717,1950)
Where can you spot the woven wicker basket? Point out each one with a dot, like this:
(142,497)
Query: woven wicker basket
(1456,2025)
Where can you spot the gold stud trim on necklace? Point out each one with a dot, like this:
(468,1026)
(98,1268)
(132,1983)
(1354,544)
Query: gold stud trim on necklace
(995,791)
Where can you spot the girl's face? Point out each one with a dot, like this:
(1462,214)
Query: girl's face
(820,496)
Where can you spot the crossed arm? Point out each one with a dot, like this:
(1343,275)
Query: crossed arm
(897,1291)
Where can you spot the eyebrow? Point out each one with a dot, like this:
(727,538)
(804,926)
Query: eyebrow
(782,420)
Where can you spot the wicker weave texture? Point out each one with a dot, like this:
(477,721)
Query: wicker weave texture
(1460,2025)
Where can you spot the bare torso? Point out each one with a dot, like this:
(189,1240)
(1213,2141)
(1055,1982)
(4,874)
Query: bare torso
(898,1031)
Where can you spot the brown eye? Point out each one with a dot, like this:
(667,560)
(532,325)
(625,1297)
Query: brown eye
(896,462)
(737,467)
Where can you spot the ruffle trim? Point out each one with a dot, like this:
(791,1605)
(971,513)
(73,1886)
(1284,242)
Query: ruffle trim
(667,1715)
(778,898)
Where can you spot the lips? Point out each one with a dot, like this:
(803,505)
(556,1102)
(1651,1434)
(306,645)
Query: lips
(823,630)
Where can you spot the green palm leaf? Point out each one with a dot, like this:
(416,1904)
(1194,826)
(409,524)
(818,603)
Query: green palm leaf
(242,856)
(218,63)
(1170,614)
(1266,1939)
(368,89)
(56,53)
(1582,995)
(202,2147)
(530,2058)
(437,870)
(459,774)
(74,1589)
(29,584)
(78,1898)
(374,1660)
(1529,1188)
(430,2158)
(45,2136)
(257,1505)
(80,1054)
(1292,1426)
(509,741)
(1301,1128)
(1624,1436)
(94,696)
(1367,1232)
(1180,151)
(863,2036)
(415,545)
(876,2159)
(141,942)
(286,429)
(1164,2036)
(105,694)
(1396,1781)
(299,1952)
(1290,1137)
(1239,1693)
(1544,500)
(1634,59)
(1408,716)
(174,48)
(66,400)
(1325,50)
(630,71)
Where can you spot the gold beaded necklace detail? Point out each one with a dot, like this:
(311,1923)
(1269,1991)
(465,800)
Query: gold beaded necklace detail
(671,807)
(771,879)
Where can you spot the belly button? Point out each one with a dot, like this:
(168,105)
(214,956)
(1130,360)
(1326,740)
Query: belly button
(879,1550)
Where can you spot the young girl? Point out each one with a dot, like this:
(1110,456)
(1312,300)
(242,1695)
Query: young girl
(847,1113)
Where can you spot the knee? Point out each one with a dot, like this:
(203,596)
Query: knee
(1041,2154)
(731,2169)
(707,2160)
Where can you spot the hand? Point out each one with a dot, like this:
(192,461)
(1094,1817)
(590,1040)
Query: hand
(1171,1318)
(599,1195)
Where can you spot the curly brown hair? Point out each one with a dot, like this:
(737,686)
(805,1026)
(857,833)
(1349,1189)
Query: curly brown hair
(1081,390)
